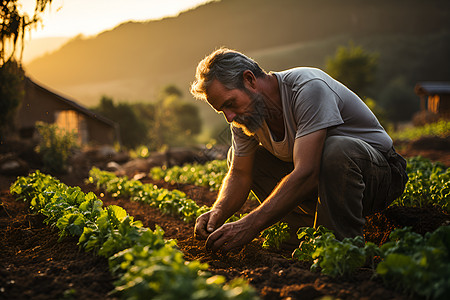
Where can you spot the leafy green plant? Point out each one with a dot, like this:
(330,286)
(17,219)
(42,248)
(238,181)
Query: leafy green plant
(71,224)
(140,152)
(341,258)
(210,174)
(307,246)
(113,231)
(428,184)
(170,277)
(333,257)
(54,208)
(418,264)
(275,235)
(172,202)
(55,146)
(440,128)
(34,188)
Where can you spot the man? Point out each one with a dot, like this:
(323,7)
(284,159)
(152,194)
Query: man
(309,148)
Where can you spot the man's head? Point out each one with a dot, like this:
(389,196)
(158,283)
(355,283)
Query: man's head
(223,79)
(228,67)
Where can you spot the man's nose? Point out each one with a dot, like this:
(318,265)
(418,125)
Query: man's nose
(229,115)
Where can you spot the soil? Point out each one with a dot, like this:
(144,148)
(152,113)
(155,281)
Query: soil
(35,265)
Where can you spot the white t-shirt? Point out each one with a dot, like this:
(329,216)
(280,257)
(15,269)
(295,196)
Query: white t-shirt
(311,101)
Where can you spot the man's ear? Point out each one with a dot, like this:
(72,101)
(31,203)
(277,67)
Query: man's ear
(249,79)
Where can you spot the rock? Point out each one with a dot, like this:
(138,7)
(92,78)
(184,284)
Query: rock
(10,164)
(114,167)
(135,166)
(139,176)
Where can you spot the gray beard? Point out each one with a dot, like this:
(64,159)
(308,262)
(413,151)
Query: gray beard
(252,122)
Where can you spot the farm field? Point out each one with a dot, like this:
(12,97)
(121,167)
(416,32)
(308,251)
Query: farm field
(34,265)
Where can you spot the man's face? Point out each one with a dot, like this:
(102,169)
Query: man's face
(254,120)
(243,108)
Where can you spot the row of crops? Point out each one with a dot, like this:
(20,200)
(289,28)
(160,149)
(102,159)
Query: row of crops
(146,265)
(208,175)
(440,128)
(429,182)
(410,262)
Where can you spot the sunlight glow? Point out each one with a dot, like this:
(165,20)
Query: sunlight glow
(69,18)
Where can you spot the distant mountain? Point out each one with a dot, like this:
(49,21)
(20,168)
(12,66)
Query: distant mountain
(38,47)
(133,61)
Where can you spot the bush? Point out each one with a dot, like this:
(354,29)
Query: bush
(56,146)
(440,128)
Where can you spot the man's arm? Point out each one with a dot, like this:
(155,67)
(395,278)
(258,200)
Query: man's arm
(232,195)
(284,198)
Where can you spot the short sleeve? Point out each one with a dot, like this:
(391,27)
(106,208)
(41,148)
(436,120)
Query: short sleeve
(316,106)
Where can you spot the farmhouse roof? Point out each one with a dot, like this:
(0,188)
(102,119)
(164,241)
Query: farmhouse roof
(432,87)
(73,104)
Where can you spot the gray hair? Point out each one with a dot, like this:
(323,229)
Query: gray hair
(225,65)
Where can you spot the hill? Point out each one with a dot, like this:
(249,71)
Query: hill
(38,47)
(133,61)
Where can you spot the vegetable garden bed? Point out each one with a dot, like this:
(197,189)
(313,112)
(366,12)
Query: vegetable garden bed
(34,265)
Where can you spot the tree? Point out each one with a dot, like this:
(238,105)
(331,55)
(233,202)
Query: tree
(14,24)
(11,93)
(171,90)
(133,131)
(354,67)
(399,101)
(167,123)
(188,119)
(176,122)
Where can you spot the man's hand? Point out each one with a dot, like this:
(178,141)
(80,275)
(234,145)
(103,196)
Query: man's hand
(207,223)
(232,235)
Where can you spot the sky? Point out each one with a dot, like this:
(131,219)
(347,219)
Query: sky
(69,18)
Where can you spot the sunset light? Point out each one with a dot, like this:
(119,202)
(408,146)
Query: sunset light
(68,18)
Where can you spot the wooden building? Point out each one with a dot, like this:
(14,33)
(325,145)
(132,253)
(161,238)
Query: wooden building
(41,104)
(434,97)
